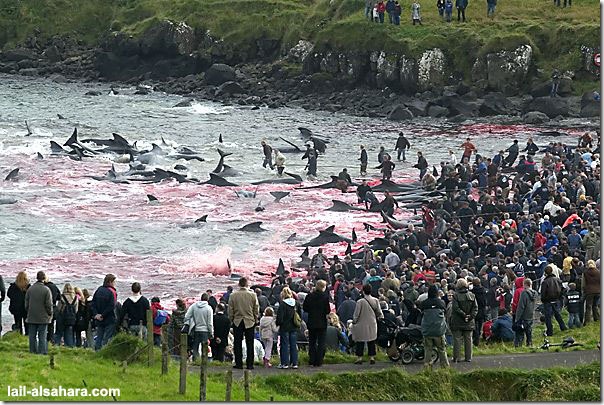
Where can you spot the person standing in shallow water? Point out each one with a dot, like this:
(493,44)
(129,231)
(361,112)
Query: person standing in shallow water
(363,160)
(387,167)
(402,145)
(268,155)
(279,162)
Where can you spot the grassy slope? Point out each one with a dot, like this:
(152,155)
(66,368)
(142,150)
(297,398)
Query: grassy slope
(139,382)
(556,34)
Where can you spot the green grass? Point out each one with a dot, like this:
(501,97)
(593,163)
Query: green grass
(556,34)
(76,368)
(577,384)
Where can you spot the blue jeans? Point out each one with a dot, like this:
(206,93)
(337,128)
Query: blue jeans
(422,173)
(490,9)
(268,161)
(390,18)
(65,333)
(104,333)
(37,338)
(381,16)
(288,351)
(199,338)
(397,20)
(401,152)
(574,320)
(551,308)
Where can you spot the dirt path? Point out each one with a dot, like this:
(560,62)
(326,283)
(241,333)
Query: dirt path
(522,360)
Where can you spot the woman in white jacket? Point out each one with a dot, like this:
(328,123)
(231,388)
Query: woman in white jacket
(268,328)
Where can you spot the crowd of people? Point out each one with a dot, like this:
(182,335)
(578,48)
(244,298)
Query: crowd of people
(377,11)
(512,237)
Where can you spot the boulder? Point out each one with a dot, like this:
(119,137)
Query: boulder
(300,51)
(544,88)
(229,88)
(507,71)
(58,78)
(267,47)
(354,65)
(29,72)
(437,111)
(496,104)
(168,39)
(219,73)
(400,113)
(16,55)
(417,107)
(455,105)
(53,54)
(330,63)
(534,117)
(93,93)
(551,106)
(185,103)
(431,69)
(26,64)
(589,106)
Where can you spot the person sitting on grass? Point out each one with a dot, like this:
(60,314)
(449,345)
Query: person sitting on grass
(502,327)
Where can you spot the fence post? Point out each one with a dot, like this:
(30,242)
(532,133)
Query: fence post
(182,386)
(229,386)
(52,361)
(246,384)
(150,337)
(164,349)
(203,374)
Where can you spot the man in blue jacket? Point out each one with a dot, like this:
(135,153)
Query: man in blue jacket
(390,10)
(502,327)
(103,311)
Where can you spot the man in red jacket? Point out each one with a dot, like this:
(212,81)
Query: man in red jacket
(381,9)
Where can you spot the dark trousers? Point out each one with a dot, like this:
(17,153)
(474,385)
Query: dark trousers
(20,324)
(551,308)
(477,330)
(239,332)
(360,347)
(461,13)
(316,346)
(218,350)
(527,331)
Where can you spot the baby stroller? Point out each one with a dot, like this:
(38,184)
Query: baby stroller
(404,344)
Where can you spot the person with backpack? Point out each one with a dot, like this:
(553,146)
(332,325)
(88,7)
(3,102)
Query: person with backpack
(364,325)
(551,293)
(523,320)
(67,309)
(135,309)
(434,327)
(463,312)
(103,310)
(316,305)
(289,320)
(160,316)
(200,321)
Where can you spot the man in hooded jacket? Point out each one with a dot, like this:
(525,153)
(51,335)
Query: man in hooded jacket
(434,327)
(200,319)
(524,314)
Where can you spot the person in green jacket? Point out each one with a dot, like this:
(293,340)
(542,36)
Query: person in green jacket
(591,244)
(464,310)
(434,327)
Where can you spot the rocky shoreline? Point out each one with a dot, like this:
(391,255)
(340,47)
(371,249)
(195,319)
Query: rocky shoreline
(172,58)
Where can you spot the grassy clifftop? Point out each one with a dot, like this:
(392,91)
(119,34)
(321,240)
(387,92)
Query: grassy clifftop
(556,34)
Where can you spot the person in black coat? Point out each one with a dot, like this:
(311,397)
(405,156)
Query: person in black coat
(363,160)
(56,294)
(103,311)
(16,295)
(222,325)
(481,299)
(316,304)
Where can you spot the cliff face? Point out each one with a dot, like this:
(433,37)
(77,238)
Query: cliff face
(318,46)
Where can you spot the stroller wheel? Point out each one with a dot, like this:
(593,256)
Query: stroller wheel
(407,356)
(393,353)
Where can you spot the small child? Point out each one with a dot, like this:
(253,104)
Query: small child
(572,302)
(505,297)
(376,15)
(268,328)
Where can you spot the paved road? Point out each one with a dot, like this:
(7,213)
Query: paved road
(522,360)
